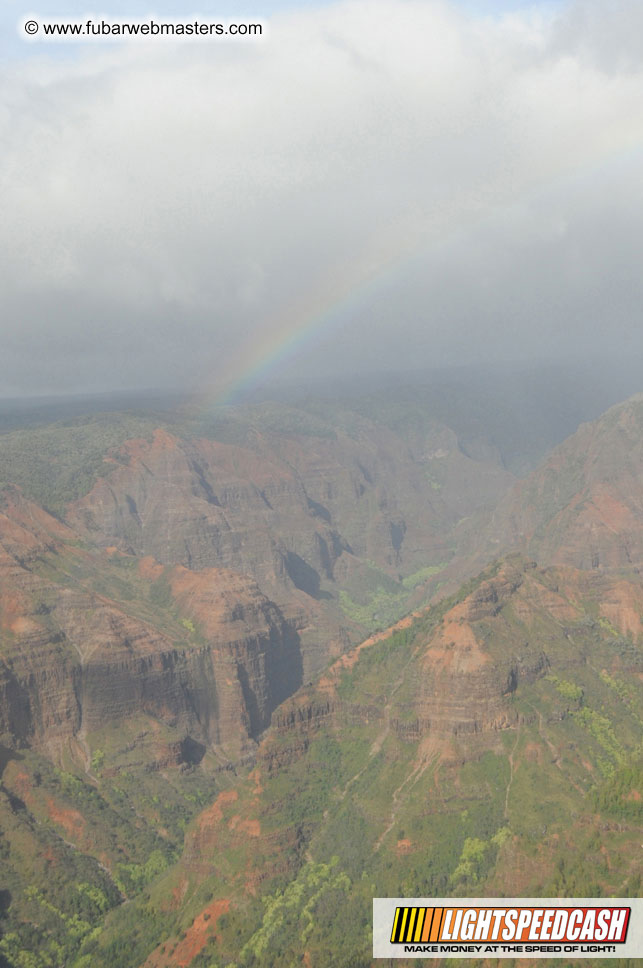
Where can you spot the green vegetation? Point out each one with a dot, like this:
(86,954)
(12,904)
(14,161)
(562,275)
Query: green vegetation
(607,626)
(621,793)
(626,693)
(55,842)
(364,801)
(60,462)
(296,906)
(386,602)
(98,758)
(477,857)
(601,729)
(133,877)
(567,689)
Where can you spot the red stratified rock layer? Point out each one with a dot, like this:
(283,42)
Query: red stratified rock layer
(73,661)
(298,513)
(198,935)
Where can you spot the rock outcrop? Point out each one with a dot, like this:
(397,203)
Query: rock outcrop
(74,661)
(510,630)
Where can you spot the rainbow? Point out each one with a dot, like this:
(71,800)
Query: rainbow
(345,288)
(322,309)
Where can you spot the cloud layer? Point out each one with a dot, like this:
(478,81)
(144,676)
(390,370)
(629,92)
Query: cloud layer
(455,189)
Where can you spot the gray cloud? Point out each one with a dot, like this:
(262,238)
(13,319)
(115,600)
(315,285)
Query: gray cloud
(458,188)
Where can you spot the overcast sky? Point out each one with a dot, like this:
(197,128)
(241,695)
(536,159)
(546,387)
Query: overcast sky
(379,183)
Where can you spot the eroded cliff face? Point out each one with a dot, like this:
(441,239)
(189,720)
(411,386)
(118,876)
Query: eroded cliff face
(219,659)
(197,582)
(457,680)
(200,505)
(514,628)
(467,683)
(251,643)
(285,509)
(584,505)
(466,668)
(253,542)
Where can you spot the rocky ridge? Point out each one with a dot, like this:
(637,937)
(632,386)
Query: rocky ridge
(584,505)
(421,758)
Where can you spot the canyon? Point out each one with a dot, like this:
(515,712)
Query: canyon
(304,656)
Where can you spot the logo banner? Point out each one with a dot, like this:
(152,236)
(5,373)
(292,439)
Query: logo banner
(507,927)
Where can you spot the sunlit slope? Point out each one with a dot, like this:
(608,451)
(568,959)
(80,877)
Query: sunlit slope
(492,746)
